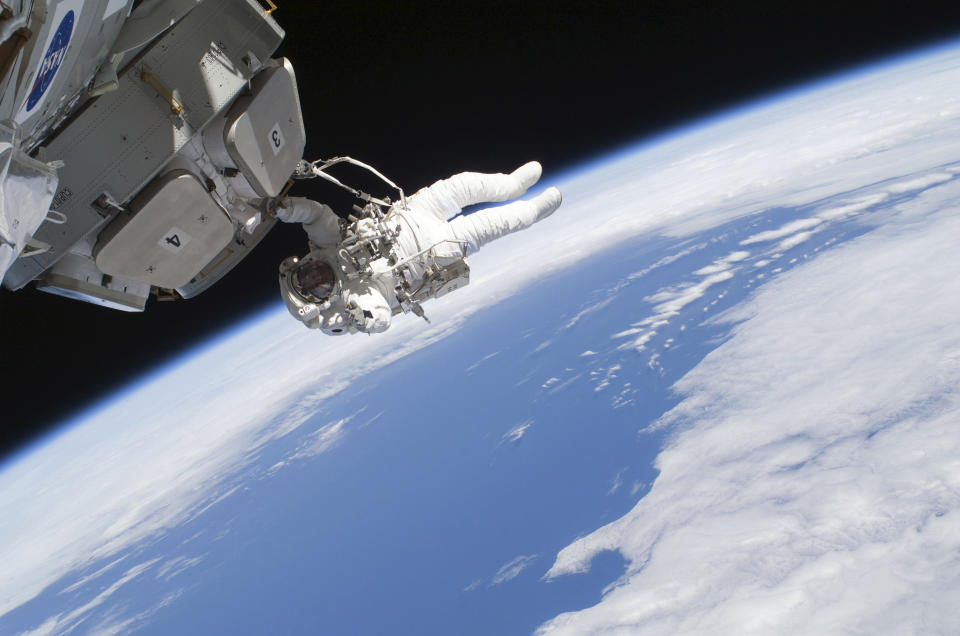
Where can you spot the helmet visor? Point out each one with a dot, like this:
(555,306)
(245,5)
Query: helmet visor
(314,278)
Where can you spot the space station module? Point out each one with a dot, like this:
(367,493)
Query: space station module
(139,140)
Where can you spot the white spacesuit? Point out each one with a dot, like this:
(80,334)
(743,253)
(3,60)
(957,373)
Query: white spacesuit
(358,274)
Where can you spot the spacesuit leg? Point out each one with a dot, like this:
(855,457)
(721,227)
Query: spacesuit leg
(479,228)
(447,197)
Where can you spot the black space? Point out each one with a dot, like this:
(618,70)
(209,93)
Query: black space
(423,90)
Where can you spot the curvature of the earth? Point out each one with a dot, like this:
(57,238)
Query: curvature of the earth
(732,356)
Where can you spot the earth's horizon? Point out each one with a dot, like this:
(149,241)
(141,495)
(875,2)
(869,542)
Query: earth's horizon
(716,390)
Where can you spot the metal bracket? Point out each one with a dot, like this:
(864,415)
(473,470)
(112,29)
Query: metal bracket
(175,106)
(165,295)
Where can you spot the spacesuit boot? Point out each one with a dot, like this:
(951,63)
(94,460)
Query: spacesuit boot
(547,203)
(479,228)
(527,174)
(447,197)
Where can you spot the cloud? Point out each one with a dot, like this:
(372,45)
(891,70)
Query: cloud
(322,439)
(555,385)
(812,483)
(604,377)
(516,433)
(919,183)
(723,264)
(854,207)
(507,572)
(669,302)
(61,624)
(586,312)
(785,230)
(792,241)
(90,577)
(512,569)
(617,482)
(113,623)
(482,360)
(176,566)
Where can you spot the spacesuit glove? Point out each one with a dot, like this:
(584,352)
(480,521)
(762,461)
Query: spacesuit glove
(366,229)
(354,314)
(360,319)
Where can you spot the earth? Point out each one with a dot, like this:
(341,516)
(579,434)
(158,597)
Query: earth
(716,391)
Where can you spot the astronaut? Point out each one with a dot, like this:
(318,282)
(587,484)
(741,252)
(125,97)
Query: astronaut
(360,272)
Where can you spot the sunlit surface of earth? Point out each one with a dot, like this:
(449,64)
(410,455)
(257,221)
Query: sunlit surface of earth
(716,391)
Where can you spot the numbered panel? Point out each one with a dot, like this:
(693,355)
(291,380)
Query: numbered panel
(174,229)
(264,134)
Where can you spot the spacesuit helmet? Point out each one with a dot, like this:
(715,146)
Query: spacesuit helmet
(314,279)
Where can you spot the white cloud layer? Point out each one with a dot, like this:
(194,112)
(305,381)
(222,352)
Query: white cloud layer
(780,232)
(813,483)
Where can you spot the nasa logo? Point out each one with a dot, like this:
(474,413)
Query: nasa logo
(51,61)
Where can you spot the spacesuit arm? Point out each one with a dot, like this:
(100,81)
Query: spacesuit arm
(320,222)
(367,308)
